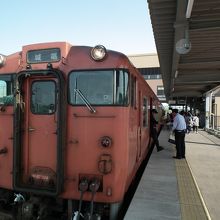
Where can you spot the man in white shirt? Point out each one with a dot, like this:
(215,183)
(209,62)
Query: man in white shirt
(179,129)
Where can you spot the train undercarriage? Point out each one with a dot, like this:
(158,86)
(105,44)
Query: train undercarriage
(25,206)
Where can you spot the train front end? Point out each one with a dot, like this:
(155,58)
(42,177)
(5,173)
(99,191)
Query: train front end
(97,130)
(68,122)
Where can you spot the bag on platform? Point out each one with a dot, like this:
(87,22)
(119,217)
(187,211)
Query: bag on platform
(172,139)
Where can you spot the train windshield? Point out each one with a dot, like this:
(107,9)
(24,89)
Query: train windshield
(99,87)
(6,90)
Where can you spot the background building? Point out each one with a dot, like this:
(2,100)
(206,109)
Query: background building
(149,67)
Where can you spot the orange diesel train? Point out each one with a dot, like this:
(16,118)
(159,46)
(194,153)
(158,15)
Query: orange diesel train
(74,129)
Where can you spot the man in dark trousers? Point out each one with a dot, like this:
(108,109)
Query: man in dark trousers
(153,129)
(179,129)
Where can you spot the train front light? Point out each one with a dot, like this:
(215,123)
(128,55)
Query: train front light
(2,60)
(98,53)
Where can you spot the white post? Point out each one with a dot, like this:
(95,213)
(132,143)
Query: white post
(208,109)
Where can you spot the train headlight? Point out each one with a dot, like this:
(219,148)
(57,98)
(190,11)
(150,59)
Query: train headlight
(106,141)
(98,53)
(2,60)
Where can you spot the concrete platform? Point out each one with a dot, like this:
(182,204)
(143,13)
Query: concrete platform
(184,189)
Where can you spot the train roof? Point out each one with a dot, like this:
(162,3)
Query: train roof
(71,57)
(74,56)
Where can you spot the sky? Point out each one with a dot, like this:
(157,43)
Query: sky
(121,25)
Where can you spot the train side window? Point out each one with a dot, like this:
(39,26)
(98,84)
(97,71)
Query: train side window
(43,97)
(121,88)
(145,112)
(6,90)
(133,91)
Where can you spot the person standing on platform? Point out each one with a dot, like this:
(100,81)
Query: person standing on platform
(195,123)
(189,122)
(153,129)
(179,129)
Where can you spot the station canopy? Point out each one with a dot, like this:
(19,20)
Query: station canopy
(187,37)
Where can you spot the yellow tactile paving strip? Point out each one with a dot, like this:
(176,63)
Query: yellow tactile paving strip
(191,204)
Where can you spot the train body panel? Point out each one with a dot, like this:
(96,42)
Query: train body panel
(77,126)
(85,134)
(6,147)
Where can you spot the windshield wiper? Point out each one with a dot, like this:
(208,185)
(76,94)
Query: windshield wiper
(85,100)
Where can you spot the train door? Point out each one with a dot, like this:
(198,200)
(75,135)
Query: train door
(40,133)
(6,130)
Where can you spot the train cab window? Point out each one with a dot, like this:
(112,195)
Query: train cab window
(145,112)
(6,90)
(43,97)
(98,87)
